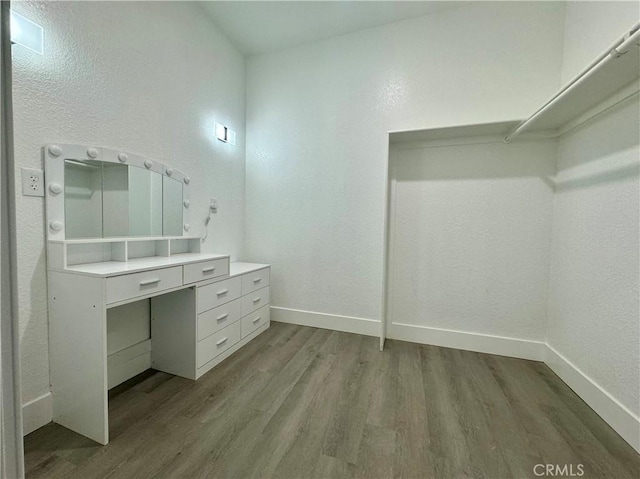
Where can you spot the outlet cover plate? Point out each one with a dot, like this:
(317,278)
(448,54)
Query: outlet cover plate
(32,182)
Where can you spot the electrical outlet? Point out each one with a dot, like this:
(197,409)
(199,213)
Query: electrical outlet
(32,182)
(213,205)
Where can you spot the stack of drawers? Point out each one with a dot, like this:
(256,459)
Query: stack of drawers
(230,311)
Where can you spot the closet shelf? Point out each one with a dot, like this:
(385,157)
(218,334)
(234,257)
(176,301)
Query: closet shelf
(500,128)
(611,78)
(608,80)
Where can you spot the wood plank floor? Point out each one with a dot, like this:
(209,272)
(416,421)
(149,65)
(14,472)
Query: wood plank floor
(301,402)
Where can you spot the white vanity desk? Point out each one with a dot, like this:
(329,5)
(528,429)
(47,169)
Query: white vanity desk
(203,309)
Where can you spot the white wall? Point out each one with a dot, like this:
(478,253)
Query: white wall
(471,234)
(317,118)
(594,314)
(590,28)
(149,78)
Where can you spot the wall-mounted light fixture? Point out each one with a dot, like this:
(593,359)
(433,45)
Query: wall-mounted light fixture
(26,33)
(225,135)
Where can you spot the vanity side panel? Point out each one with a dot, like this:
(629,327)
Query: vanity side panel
(173,333)
(56,255)
(78,354)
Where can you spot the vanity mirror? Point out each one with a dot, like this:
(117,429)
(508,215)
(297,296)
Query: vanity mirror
(100,193)
(111,200)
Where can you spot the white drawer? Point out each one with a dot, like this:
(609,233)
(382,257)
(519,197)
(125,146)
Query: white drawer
(255,300)
(256,280)
(218,343)
(120,288)
(205,270)
(255,320)
(216,294)
(217,318)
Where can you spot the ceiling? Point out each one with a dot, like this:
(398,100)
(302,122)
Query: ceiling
(261,26)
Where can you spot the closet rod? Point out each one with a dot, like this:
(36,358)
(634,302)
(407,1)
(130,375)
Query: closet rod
(618,48)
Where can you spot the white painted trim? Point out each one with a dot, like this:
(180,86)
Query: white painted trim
(347,324)
(449,142)
(623,421)
(385,250)
(482,343)
(389,241)
(37,413)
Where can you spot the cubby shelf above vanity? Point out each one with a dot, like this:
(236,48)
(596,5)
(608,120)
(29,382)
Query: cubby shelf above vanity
(105,256)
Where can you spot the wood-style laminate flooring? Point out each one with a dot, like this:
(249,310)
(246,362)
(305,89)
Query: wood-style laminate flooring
(301,402)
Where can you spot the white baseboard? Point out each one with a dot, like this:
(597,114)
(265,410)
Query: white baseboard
(347,324)
(481,343)
(37,413)
(623,421)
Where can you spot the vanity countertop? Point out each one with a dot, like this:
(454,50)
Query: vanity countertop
(239,268)
(115,268)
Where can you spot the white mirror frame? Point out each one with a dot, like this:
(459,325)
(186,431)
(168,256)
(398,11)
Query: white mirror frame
(54,156)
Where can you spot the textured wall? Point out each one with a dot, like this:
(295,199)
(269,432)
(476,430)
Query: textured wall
(471,229)
(590,28)
(594,304)
(317,119)
(146,77)
(594,317)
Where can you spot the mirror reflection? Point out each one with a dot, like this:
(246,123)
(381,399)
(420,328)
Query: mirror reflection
(110,200)
(145,203)
(171,206)
(83,198)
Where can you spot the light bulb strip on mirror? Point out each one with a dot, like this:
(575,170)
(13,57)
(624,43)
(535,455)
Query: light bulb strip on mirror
(104,206)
